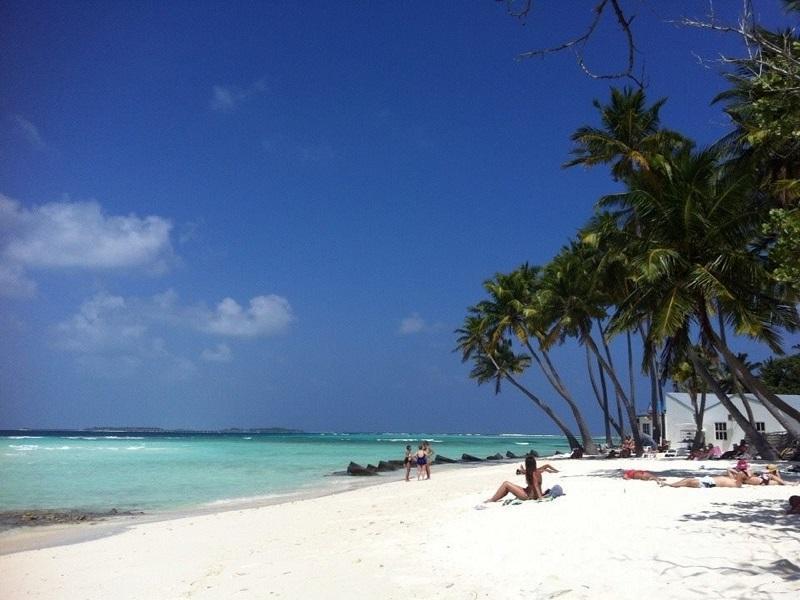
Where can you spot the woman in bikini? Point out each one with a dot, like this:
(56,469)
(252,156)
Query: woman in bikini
(533,479)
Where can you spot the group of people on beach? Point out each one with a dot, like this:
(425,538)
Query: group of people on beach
(422,458)
(739,475)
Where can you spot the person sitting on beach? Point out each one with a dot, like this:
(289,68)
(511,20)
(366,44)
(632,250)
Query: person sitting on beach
(701,453)
(716,452)
(628,447)
(708,481)
(743,450)
(642,475)
(730,453)
(741,467)
(769,477)
(533,489)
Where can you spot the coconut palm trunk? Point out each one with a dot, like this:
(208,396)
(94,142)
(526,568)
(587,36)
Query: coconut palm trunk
(620,391)
(571,439)
(699,415)
(553,377)
(602,399)
(763,448)
(785,414)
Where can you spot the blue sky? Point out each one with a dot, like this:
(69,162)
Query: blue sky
(276,214)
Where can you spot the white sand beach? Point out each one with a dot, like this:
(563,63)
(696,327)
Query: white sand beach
(606,538)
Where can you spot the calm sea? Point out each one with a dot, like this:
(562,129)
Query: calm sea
(169,471)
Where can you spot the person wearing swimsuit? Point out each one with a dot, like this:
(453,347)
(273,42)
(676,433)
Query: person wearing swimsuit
(422,460)
(407,462)
(533,489)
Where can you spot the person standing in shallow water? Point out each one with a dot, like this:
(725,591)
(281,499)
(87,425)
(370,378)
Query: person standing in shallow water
(409,458)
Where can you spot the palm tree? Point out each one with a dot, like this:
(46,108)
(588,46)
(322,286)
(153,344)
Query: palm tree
(513,310)
(686,379)
(499,362)
(631,137)
(696,257)
(571,301)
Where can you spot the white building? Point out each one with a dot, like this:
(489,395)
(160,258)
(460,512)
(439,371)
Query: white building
(718,425)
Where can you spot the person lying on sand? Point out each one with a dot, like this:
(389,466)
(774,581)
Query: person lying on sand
(708,481)
(643,475)
(769,477)
(533,479)
(794,505)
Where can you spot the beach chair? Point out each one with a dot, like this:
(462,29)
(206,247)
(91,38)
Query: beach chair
(648,452)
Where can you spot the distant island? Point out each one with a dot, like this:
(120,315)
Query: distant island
(162,430)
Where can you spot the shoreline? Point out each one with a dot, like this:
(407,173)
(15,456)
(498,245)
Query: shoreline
(99,524)
(607,537)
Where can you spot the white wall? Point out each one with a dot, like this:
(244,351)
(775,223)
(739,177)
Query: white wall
(679,419)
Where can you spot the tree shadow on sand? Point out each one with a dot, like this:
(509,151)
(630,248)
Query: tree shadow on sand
(617,473)
(768,511)
(768,523)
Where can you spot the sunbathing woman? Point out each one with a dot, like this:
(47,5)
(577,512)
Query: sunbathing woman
(769,477)
(643,475)
(533,490)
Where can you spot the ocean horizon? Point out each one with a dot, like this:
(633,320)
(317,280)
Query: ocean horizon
(159,470)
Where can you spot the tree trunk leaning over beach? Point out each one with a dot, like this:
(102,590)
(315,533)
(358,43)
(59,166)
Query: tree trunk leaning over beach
(763,448)
(497,363)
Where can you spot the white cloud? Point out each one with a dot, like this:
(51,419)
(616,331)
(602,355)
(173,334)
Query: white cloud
(226,98)
(78,235)
(110,333)
(412,324)
(103,323)
(109,329)
(266,315)
(222,353)
(28,131)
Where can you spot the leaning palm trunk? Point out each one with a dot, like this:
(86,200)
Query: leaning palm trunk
(766,451)
(602,399)
(571,439)
(610,363)
(655,389)
(699,415)
(637,438)
(785,414)
(555,380)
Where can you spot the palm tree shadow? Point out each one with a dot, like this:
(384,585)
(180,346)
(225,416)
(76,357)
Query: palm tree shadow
(766,521)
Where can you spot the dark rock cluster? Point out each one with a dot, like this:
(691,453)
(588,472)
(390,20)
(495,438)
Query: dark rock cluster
(393,465)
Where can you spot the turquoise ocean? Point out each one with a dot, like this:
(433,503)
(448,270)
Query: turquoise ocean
(152,472)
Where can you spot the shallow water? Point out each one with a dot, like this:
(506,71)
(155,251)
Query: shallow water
(175,471)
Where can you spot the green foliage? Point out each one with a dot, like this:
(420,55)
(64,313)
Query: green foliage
(782,375)
(784,225)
